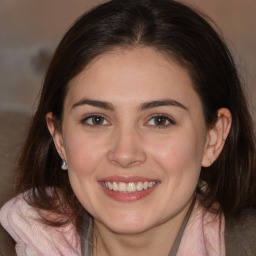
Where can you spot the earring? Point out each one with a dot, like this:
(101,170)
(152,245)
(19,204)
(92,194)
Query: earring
(212,162)
(64,165)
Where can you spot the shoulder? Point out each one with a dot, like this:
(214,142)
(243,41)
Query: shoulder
(15,210)
(240,234)
(32,235)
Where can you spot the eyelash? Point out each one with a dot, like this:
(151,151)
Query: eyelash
(85,121)
(166,119)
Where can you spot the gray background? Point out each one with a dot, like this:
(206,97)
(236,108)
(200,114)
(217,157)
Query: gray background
(31,29)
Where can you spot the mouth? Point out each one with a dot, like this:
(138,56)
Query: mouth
(129,187)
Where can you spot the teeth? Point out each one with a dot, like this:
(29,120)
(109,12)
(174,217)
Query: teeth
(109,185)
(115,186)
(129,187)
(122,187)
(145,185)
(139,186)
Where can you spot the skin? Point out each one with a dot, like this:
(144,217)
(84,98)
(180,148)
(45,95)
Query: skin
(128,142)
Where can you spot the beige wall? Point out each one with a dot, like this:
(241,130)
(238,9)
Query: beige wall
(30,31)
(237,21)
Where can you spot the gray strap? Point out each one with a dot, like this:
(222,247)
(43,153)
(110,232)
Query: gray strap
(177,241)
(86,238)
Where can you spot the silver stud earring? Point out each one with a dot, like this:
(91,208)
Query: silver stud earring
(64,165)
(212,162)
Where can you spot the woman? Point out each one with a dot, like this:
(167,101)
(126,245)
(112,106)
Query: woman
(142,140)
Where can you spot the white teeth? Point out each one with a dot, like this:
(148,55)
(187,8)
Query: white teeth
(122,187)
(109,185)
(145,185)
(129,187)
(139,186)
(115,186)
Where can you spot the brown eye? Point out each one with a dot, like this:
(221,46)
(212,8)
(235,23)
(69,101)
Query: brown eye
(95,120)
(160,121)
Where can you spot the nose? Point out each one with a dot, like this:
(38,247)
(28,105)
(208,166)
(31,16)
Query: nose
(126,149)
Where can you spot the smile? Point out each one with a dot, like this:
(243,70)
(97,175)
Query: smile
(129,187)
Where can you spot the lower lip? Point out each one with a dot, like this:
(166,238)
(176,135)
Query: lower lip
(128,196)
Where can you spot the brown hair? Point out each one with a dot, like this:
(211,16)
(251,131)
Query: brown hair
(177,31)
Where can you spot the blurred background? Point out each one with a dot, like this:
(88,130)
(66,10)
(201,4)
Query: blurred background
(29,33)
(30,30)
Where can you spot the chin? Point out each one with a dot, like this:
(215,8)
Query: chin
(128,228)
(128,225)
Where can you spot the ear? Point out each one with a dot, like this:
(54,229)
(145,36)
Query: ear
(56,134)
(217,136)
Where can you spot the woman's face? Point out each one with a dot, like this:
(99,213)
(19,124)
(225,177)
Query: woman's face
(134,139)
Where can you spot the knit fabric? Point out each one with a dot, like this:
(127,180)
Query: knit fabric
(203,234)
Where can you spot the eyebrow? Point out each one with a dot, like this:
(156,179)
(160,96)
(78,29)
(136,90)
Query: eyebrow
(160,103)
(94,103)
(142,107)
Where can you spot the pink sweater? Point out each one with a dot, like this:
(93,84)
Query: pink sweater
(203,235)
(33,238)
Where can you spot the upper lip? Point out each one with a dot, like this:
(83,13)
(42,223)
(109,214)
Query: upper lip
(126,179)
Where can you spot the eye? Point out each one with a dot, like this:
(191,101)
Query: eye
(95,120)
(160,121)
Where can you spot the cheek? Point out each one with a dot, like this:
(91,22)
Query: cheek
(83,153)
(178,154)
(84,156)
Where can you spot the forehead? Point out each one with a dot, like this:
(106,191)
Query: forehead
(138,74)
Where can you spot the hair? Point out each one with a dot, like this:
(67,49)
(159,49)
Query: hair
(183,35)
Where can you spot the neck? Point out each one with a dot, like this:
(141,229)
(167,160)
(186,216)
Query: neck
(109,243)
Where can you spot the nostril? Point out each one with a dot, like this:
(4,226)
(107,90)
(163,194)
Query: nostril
(126,160)
(125,164)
